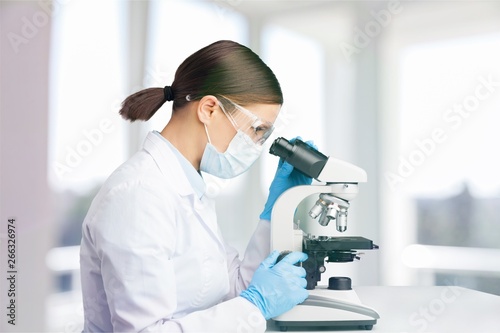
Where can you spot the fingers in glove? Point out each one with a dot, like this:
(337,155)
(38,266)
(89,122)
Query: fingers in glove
(294,257)
(284,170)
(298,271)
(300,294)
(292,140)
(289,271)
(310,143)
(300,282)
(270,260)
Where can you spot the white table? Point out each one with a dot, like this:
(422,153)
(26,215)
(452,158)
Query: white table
(428,309)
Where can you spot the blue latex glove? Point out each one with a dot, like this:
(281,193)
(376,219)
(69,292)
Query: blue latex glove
(276,288)
(286,177)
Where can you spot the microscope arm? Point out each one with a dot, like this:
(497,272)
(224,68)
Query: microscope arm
(339,171)
(341,180)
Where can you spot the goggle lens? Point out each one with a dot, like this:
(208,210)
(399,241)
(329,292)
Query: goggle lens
(244,120)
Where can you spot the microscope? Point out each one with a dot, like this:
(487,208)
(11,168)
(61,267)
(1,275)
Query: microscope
(314,233)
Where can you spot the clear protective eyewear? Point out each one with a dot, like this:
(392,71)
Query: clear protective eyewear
(244,120)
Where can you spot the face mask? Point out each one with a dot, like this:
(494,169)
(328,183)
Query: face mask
(241,153)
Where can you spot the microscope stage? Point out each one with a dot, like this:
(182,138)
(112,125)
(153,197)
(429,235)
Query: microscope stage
(339,244)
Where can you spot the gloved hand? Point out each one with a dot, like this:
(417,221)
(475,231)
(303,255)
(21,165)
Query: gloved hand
(276,288)
(286,177)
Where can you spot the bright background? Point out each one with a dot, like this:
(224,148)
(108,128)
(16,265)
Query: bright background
(409,91)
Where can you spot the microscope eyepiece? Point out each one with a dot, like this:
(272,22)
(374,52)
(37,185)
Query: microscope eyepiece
(303,157)
(281,147)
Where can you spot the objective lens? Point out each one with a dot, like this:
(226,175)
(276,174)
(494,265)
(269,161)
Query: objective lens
(324,219)
(341,224)
(316,210)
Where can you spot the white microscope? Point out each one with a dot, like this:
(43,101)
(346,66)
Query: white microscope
(335,305)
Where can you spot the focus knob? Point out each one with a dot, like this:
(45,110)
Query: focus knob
(339,283)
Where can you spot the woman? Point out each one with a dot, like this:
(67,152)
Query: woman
(152,256)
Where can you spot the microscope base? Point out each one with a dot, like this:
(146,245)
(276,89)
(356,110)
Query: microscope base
(329,308)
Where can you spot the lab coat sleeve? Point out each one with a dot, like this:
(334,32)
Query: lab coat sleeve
(241,271)
(234,316)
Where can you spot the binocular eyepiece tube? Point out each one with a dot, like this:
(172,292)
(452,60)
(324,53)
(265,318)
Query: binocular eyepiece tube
(303,157)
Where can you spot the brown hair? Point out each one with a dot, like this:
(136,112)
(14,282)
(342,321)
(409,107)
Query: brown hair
(224,68)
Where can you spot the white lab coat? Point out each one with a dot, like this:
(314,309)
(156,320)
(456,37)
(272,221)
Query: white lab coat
(153,259)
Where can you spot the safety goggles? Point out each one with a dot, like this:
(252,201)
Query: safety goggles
(244,120)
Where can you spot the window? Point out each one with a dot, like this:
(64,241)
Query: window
(303,110)
(445,165)
(87,135)
(87,83)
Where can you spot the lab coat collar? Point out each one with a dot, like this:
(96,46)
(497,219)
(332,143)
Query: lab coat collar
(193,176)
(170,165)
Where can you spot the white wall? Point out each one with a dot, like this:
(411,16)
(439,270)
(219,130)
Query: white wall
(23,166)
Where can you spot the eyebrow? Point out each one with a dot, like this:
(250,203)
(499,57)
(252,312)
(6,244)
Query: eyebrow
(265,124)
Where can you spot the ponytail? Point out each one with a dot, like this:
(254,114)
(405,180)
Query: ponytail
(143,104)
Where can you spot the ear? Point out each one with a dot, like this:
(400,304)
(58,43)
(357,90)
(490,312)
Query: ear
(206,108)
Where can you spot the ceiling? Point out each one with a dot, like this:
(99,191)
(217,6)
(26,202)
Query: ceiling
(266,8)
(329,21)
(322,20)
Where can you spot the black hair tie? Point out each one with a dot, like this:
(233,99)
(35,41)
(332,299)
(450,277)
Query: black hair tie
(168,93)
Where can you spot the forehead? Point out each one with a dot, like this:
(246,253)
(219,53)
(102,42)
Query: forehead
(268,112)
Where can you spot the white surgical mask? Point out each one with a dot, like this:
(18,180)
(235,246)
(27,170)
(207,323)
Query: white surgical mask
(239,156)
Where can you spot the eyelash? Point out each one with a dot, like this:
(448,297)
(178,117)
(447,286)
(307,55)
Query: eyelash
(258,128)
